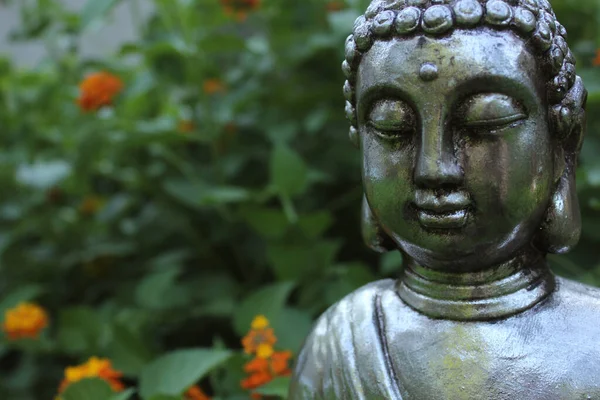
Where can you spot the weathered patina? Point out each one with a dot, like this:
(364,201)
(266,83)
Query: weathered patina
(470,117)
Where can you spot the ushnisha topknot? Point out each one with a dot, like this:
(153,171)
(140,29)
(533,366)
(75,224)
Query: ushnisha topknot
(533,20)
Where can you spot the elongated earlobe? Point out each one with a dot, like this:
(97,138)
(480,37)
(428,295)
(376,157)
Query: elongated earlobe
(373,235)
(561,229)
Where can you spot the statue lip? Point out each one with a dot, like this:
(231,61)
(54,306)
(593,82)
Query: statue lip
(441,202)
(446,210)
(443,220)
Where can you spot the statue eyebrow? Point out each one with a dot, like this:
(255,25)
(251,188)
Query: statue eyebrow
(381,91)
(522,92)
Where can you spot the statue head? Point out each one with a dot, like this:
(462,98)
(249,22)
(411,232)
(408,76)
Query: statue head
(470,118)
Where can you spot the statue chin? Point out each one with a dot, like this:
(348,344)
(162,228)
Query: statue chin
(469,151)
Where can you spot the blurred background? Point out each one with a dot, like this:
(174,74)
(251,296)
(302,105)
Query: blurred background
(171,169)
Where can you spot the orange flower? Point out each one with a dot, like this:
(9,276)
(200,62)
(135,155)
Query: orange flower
(195,393)
(267,363)
(256,379)
(259,334)
(239,8)
(98,90)
(93,368)
(263,370)
(279,363)
(90,205)
(596,61)
(186,126)
(26,320)
(335,5)
(256,365)
(212,86)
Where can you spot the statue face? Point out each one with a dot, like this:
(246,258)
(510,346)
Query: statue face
(458,159)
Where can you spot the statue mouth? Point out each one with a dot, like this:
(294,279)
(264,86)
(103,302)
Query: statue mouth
(446,210)
(442,220)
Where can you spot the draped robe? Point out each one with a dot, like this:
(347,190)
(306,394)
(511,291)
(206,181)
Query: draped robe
(371,345)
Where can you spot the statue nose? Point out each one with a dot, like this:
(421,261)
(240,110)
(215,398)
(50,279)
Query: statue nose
(436,164)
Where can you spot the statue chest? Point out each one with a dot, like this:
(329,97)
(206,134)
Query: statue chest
(472,361)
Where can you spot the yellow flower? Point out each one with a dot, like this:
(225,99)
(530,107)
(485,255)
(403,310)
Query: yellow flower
(26,320)
(259,322)
(264,350)
(94,368)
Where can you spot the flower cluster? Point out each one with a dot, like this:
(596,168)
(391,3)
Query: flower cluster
(26,320)
(94,368)
(239,9)
(267,363)
(98,90)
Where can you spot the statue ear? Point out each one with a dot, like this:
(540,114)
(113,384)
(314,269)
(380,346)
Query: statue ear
(373,235)
(561,228)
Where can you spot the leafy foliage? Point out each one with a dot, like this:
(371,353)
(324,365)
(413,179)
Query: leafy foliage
(168,221)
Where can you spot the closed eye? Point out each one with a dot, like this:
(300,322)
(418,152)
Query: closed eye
(392,119)
(491,111)
(498,122)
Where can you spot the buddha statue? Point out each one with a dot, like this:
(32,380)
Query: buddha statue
(469,117)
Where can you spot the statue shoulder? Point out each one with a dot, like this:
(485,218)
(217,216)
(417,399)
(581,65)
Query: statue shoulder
(327,344)
(572,291)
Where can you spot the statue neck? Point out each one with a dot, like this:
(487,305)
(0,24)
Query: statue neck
(497,292)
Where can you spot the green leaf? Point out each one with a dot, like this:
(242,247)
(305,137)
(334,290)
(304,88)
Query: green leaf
(269,223)
(315,224)
(81,330)
(126,395)
(277,387)
(300,261)
(159,290)
(19,295)
(88,389)
(292,327)
(390,263)
(95,10)
(174,373)
(289,173)
(200,195)
(291,262)
(128,351)
(268,301)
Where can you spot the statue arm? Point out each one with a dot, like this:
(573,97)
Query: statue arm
(307,381)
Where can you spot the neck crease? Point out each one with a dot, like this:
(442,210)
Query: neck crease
(499,292)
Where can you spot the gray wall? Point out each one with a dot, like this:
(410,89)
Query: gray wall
(98,41)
